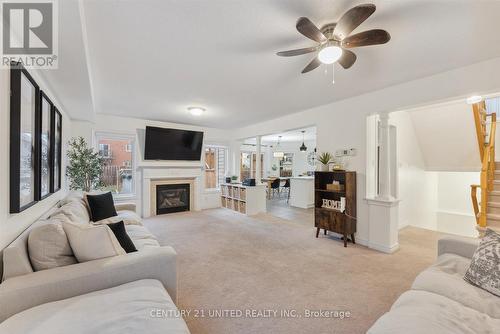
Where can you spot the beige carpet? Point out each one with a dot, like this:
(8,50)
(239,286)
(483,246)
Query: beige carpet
(227,261)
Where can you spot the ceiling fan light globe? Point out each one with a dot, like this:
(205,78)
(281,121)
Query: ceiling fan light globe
(330,54)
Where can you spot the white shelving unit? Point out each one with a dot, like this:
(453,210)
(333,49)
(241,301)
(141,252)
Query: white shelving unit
(244,199)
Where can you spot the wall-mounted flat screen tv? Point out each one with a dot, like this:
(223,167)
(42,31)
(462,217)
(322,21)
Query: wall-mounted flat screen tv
(172,144)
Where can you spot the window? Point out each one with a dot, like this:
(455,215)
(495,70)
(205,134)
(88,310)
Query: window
(118,172)
(248,165)
(215,166)
(105,151)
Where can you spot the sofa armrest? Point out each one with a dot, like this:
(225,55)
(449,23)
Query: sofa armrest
(23,292)
(125,206)
(462,246)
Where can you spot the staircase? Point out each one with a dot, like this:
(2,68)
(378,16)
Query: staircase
(493,207)
(487,211)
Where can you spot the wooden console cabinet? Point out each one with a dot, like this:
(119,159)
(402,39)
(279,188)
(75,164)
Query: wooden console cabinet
(333,220)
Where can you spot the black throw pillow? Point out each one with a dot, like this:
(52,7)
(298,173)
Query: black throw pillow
(101,206)
(122,236)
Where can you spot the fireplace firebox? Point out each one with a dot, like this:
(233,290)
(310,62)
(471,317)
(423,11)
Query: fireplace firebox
(172,198)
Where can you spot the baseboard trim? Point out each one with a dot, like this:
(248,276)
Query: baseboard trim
(383,248)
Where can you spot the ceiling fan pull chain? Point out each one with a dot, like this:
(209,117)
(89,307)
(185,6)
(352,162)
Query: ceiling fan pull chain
(333,74)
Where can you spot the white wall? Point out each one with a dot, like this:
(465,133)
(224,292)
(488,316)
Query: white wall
(136,127)
(447,136)
(455,213)
(417,187)
(429,199)
(11,225)
(343,124)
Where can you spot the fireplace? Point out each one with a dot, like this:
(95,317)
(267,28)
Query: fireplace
(172,198)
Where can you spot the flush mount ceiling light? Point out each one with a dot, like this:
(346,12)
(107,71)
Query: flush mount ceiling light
(196,111)
(303,147)
(474,99)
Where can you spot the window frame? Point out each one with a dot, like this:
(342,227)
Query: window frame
(99,135)
(217,147)
(108,150)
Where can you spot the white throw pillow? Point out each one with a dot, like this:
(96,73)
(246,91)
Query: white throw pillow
(91,242)
(49,247)
(128,218)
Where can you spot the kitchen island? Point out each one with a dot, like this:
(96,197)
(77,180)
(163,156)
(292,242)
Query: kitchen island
(302,192)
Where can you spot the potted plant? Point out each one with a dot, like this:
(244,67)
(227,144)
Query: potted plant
(234,178)
(325,158)
(85,166)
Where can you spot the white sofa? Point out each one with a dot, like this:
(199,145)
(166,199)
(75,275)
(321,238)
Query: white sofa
(109,295)
(441,301)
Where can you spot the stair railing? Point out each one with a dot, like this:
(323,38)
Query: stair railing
(486,143)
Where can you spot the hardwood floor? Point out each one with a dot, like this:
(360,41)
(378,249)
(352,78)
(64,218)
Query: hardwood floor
(281,209)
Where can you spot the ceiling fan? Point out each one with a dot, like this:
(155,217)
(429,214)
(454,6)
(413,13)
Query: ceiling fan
(334,39)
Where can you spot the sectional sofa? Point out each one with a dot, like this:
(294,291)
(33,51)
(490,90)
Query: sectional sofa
(131,293)
(441,301)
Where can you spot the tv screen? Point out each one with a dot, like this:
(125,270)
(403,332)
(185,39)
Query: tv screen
(172,144)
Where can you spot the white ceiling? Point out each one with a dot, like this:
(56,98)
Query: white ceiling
(292,136)
(153,58)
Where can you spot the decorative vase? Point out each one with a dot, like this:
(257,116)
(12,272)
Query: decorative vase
(324,168)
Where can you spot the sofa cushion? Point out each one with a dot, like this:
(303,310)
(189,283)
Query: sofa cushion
(74,209)
(426,312)
(445,277)
(122,236)
(16,261)
(141,236)
(49,247)
(101,206)
(484,270)
(128,218)
(90,242)
(136,307)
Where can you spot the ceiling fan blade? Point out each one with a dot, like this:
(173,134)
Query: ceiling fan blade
(352,19)
(365,38)
(308,29)
(348,58)
(312,65)
(297,52)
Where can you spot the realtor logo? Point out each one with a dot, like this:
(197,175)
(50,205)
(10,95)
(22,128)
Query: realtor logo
(29,33)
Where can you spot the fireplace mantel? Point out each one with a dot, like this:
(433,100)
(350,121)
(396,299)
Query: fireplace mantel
(152,175)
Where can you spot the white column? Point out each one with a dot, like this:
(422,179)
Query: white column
(385,159)
(258,176)
(383,209)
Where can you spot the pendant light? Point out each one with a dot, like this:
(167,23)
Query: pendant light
(279,153)
(303,147)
